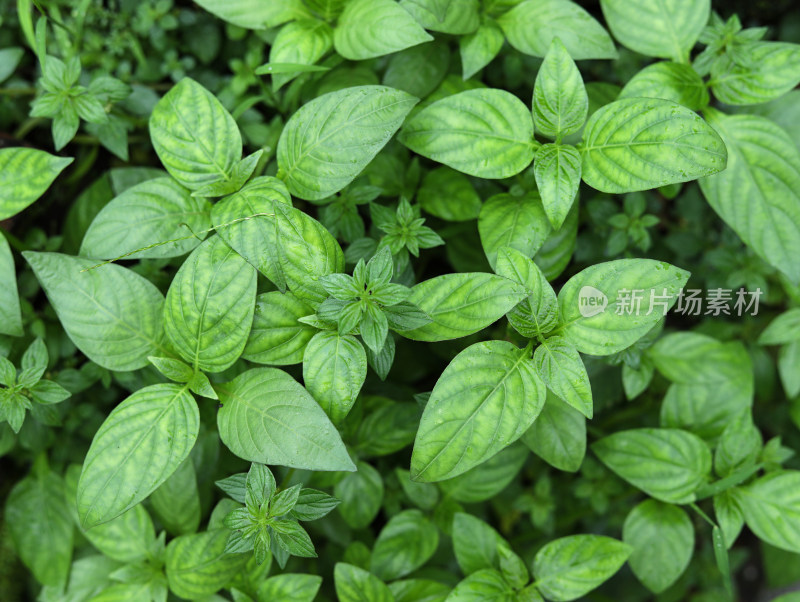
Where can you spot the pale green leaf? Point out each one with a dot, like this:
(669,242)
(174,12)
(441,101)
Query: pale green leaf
(557,170)
(267,417)
(25,175)
(480,47)
(560,103)
(302,42)
(662,28)
(331,139)
(642,143)
(334,369)
(486,585)
(354,584)
(486,133)
(370,28)
(290,587)
(112,314)
(139,445)
(197,565)
(10,316)
(256,14)
(475,544)
(570,567)
(518,222)
(771,508)
(404,544)
(462,304)
(154,211)
(176,502)
(459,18)
(531,26)
(485,399)
(599,313)
(558,435)
(783,329)
(658,565)
(277,338)
(560,366)
(127,538)
(195,137)
(677,82)
(759,194)
(667,464)
(538,313)
(772,70)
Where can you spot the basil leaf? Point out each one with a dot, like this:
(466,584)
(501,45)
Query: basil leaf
(277,338)
(246,222)
(405,544)
(25,175)
(486,480)
(475,544)
(267,417)
(485,133)
(449,195)
(771,508)
(480,47)
(176,502)
(140,444)
(561,368)
(658,566)
(127,538)
(623,151)
(558,435)
(613,320)
(197,565)
(557,170)
(210,303)
(330,140)
(334,369)
(151,212)
(667,464)
(461,304)
(532,25)
(770,71)
(10,313)
(538,313)
(677,82)
(518,222)
(457,18)
(655,28)
(290,587)
(484,400)
(770,220)
(357,585)
(570,567)
(112,314)
(302,42)
(255,14)
(560,103)
(196,139)
(361,493)
(370,28)
(486,585)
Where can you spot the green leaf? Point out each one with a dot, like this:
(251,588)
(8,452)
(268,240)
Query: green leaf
(557,170)
(405,544)
(152,212)
(642,143)
(518,222)
(560,366)
(771,508)
(334,369)
(267,417)
(195,137)
(418,70)
(361,493)
(301,42)
(783,329)
(486,480)
(419,590)
(176,502)
(484,400)
(40,525)
(486,133)
(459,18)
(667,464)
(486,585)
(331,139)
(570,567)
(461,304)
(532,25)
(558,435)
(127,538)
(538,313)
(306,252)
(277,338)
(560,103)
(209,308)
(25,175)
(771,70)
(255,14)
(677,82)
(289,535)
(312,504)
(475,544)
(10,315)
(769,221)
(140,444)
(729,515)
(666,29)
(388,428)
(197,565)
(370,28)
(449,195)
(290,587)
(480,47)
(599,313)
(173,369)
(357,585)
(246,221)
(658,565)
(739,446)
(112,314)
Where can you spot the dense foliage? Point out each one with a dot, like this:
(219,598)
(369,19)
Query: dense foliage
(368,300)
